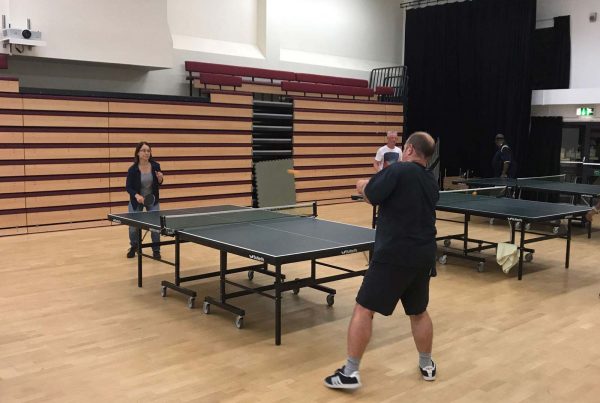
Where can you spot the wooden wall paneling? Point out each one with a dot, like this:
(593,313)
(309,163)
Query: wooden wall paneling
(49,185)
(64,216)
(341,117)
(231,99)
(326,138)
(87,167)
(11,203)
(13,219)
(327,183)
(9,86)
(46,120)
(10,185)
(55,153)
(174,137)
(395,127)
(394,119)
(312,161)
(64,105)
(339,106)
(169,164)
(189,191)
(11,102)
(364,171)
(343,128)
(66,137)
(394,108)
(159,151)
(12,223)
(178,179)
(68,199)
(262,89)
(68,226)
(157,123)
(366,149)
(243,201)
(11,119)
(306,196)
(191,109)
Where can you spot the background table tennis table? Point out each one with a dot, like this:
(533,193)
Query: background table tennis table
(579,191)
(475,203)
(275,241)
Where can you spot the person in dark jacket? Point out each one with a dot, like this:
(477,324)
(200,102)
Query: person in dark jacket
(143,179)
(503,164)
(403,257)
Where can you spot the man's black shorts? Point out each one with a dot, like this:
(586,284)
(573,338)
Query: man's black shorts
(385,284)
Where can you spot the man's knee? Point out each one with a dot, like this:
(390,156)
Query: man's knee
(419,316)
(360,310)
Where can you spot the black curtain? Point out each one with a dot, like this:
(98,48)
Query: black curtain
(470,66)
(544,142)
(551,67)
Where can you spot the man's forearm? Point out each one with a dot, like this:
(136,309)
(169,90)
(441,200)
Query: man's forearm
(505,168)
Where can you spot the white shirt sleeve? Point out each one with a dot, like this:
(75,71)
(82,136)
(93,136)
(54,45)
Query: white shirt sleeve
(379,155)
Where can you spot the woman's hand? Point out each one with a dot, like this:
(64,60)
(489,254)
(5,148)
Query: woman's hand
(139,198)
(160,177)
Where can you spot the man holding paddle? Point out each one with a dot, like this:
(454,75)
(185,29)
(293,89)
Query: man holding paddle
(143,180)
(403,257)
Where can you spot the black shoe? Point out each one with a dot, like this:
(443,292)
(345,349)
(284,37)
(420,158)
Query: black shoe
(429,372)
(340,381)
(131,252)
(156,255)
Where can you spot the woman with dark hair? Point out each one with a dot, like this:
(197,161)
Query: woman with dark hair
(143,179)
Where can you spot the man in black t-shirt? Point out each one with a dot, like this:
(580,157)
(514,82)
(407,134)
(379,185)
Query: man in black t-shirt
(502,163)
(403,259)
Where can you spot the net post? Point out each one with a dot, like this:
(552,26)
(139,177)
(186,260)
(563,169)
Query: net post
(314,208)
(163,225)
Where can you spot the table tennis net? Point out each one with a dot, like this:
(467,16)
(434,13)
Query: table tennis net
(550,178)
(467,195)
(172,223)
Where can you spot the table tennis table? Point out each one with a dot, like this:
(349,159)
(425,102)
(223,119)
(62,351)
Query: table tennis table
(491,203)
(271,236)
(541,184)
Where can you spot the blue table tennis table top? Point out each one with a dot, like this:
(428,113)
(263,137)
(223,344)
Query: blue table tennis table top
(536,184)
(470,202)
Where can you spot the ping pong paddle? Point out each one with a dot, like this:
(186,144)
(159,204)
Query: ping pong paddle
(148,202)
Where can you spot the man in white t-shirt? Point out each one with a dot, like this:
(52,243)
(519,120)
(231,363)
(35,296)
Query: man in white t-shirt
(389,153)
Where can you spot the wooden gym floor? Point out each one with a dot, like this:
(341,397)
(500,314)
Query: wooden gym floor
(75,328)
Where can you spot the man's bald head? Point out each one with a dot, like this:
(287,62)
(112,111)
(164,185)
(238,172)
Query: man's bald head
(423,144)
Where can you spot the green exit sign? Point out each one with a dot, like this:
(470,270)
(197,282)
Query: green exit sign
(596,172)
(584,111)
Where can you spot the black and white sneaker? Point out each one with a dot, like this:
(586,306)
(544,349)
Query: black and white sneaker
(340,381)
(429,372)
